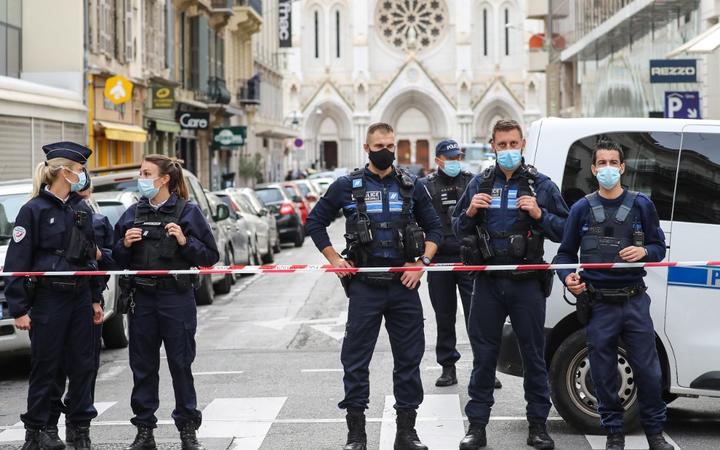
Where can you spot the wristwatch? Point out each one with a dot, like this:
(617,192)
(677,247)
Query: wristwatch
(425,260)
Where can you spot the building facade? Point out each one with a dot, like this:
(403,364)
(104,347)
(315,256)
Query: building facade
(432,68)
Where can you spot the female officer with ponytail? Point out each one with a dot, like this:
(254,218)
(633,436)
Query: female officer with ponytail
(54,232)
(163,231)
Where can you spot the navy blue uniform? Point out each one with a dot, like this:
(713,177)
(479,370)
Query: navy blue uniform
(165,316)
(62,317)
(629,320)
(497,296)
(368,304)
(443,286)
(104,241)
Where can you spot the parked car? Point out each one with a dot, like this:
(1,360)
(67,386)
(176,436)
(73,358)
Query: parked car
(264,213)
(287,215)
(676,163)
(248,235)
(13,195)
(222,283)
(127,181)
(321,184)
(296,195)
(113,204)
(309,192)
(259,227)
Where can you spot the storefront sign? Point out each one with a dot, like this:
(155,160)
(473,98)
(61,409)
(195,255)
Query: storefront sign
(673,70)
(285,23)
(682,105)
(193,120)
(229,137)
(163,97)
(118,89)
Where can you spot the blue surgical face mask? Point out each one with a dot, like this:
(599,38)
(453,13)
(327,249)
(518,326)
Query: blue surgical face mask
(509,159)
(82,180)
(146,187)
(608,176)
(451,168)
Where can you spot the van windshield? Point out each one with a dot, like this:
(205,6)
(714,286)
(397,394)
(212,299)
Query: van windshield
(9,207)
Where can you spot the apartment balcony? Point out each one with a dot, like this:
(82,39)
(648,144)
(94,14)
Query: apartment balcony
(247,15)
(249,92)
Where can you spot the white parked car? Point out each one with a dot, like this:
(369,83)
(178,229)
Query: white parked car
(677,164)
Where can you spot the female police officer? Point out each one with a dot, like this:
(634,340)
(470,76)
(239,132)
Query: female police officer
(53,232)
(163,231)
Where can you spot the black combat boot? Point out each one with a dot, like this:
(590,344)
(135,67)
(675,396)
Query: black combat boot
(498,383)
(539,438)
(615,441)
(658,442)
(356,438)
(406,437)
(82,438)
(35,439)
(54,442)
(188,437)
(69,432)
(475,437)
(144,440)
(448,377)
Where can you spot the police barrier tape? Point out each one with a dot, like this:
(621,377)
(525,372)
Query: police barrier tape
(326,268)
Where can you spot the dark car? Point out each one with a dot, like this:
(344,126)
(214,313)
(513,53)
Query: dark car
(287,215)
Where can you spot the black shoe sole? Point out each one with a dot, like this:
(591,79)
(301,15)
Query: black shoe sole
(446,383)
(541,447)
(474,447)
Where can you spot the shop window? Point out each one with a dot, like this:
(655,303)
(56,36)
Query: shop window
(650,166)
(696,199)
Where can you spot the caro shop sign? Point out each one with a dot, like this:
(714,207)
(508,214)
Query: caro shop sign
(193,120)
(229,137)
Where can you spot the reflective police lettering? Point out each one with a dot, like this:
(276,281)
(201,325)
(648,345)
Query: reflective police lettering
(373,196)
(700,277)
(714,278)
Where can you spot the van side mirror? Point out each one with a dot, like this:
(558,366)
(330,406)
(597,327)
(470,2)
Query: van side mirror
(223,212)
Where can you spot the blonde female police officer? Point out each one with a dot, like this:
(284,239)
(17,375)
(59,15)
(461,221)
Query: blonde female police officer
(163,231)
(54,232)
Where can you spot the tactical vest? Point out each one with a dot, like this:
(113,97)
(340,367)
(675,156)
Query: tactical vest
(611,230)
(384,234)
(446,196)
(157,249)
(77,246)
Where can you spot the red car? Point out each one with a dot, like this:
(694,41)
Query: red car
(296,195)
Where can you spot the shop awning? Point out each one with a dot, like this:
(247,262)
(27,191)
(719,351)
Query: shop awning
(167,126)
(121,132)
(706,42)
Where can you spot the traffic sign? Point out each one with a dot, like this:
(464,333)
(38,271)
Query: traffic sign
(682,105)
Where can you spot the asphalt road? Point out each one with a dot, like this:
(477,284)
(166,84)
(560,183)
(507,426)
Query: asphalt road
(268,376)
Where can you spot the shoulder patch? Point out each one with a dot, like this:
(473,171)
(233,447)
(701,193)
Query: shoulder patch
(357,182)
(19,234)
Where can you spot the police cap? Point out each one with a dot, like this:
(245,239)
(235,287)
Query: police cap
(448,148)
(69,150)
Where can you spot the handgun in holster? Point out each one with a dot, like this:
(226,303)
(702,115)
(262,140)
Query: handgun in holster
(30,287)
(125,301)
(584,304)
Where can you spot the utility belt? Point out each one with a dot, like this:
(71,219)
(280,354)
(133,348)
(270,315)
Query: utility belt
(585,301)
(546,277)
(60,284)
(151,284)
(409,242)
(477,248)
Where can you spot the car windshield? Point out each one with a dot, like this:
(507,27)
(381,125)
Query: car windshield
(271,195)
(304,188)
(253,200)
(290,191)
(9,207)
(112,210)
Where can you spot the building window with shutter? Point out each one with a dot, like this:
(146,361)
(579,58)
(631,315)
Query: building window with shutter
(10,38)
(129,50)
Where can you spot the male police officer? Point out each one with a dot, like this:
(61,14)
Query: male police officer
(446,186)
(383,207)
(502,218)
(617,225)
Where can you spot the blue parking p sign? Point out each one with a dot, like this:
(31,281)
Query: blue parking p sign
(682,105)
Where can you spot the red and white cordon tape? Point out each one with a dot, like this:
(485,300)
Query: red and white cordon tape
(308,268)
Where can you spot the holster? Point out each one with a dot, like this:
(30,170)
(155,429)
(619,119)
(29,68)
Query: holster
(583,307)
(345,281)
(30,286)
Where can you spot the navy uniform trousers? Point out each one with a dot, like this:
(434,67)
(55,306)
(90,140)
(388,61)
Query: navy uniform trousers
(403,315)
(494,299)
(169,318)
(61,334)
(630,321)
(443,287)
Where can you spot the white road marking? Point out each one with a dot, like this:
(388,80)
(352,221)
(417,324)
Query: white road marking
(247,420)
(111,373)
(632,442)
(441,432)
(17,431)
(226,372)
(320,370)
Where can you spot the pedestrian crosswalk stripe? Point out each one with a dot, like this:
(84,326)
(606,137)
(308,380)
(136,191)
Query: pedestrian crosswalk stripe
(443,432)
(632,442)
(17,433)
(247,420)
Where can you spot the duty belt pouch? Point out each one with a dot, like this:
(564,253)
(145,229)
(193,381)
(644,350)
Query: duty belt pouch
(469,251)
(547,277)
(127,292)
(414,241)
(518,247)
(148,285)
(183,283)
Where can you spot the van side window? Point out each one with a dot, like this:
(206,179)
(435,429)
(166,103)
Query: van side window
(650,167)
(697,198)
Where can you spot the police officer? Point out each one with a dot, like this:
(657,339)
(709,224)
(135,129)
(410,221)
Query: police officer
(163,231)
(383,207)
(104,242)
(53,232)
(502,218)
(446,186)
(614,224)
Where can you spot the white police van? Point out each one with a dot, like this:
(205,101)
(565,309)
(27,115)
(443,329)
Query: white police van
(677,164)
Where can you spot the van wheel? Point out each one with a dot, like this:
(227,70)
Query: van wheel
(114,331)
(299,237)
(269,257)
(573,391)
(224,286)
(204,294)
